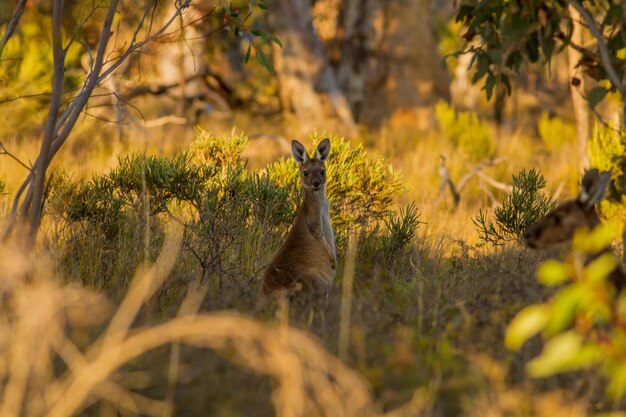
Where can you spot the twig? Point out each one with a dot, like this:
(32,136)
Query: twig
(12,99)
(4,151)
(12,25)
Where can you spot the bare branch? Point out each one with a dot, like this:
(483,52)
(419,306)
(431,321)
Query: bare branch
(166,120)
(33,211)
(463,181)
(12,25)
(495,184)
(12,99)
(4,151)
(602,47)
(96,75)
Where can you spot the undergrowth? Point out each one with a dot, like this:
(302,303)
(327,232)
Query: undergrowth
(233,219)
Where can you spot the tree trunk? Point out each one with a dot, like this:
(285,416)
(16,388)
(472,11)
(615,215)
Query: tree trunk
(306,80)
(404,70)
(581,108)
(357,43)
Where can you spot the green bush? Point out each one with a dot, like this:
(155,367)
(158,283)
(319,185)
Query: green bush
(554,132)
(360,190)
(220,150)
(521,208)
(400,229)
(233,219)
(465,131)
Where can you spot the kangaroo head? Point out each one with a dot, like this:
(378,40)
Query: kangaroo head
(559,226)
(312,170)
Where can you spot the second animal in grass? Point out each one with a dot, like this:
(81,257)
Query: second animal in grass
(558,227)
(307,259)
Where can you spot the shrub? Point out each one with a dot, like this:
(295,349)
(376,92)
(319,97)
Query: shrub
(582,323)
(360,190)
(400,229)
(522,207)
(554,132)
(465,131)
(219,150)
(233,219)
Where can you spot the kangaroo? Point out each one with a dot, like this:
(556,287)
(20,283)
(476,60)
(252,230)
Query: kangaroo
(558,226)
(308,255)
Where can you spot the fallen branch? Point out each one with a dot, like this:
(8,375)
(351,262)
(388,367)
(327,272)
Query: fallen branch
(455,190)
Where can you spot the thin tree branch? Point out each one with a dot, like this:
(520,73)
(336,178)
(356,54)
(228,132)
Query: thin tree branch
(95,77)
(602,47)
(12,25)
(5,151)
(12,218)
(463,181)
(12,99)
(33,211)
(57,129)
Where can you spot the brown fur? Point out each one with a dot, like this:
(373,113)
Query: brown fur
(559,226)
(307,257)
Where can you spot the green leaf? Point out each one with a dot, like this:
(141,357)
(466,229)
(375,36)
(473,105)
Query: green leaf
(264,61)
(564,308)
(600,268)
(617,382)
(514,60)
(565,352)
(552,273)
(614,15)
(525,325)
(516,26)
(596,95)
(490,83)
(275,39)
(247,59)
(506,82)
(595,240)
(482,66)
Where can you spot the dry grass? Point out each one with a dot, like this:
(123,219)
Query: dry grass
(36,345)
(420,336)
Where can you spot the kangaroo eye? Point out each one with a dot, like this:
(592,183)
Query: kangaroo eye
(306,173)
(557,219)
(323,172)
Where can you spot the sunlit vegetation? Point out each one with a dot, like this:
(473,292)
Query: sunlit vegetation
(147,181)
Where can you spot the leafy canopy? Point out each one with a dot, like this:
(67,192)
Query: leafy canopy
(504,35)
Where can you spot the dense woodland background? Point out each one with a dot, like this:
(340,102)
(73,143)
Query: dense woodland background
(146,181)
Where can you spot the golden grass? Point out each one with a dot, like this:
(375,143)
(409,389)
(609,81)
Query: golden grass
(52,366)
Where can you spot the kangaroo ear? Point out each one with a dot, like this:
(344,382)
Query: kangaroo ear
(323,150)
(593,186)
(299,152)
